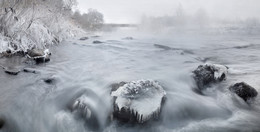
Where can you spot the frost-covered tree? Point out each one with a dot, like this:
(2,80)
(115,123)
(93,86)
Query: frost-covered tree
(25,24)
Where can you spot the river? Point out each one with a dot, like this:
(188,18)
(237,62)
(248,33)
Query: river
(29,104)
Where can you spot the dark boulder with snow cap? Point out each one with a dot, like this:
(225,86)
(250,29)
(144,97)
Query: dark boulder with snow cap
(243,90)
(40,56)
(137,101)
(207,74)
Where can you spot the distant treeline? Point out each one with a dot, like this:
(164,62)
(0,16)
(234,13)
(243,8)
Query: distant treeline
(92,20)
(182,20)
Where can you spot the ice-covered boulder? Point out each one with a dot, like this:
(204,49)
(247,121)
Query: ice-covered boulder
(40,56)
(208,74)
(137,101)
(243,90)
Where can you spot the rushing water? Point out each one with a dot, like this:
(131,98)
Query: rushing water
(28,104)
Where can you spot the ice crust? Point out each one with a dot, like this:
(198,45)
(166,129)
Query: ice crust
(142,97)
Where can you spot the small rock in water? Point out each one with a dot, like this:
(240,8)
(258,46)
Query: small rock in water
(97,42)
(2,122)
(49,80)
(162,47)
(29,70)
(208,74)
(95,36)
(243,90)
(137,101)
(128,38)
(83,38)
(11,71)
(40,56)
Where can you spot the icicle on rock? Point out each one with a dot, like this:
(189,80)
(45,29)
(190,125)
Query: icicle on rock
(243,90)
(137,101)
(208,74)
(40,56)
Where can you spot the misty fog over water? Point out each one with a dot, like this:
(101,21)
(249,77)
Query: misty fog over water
(94,50)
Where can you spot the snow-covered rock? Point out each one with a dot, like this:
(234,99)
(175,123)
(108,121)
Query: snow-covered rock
(137,101)
(38,55)
(207,74)
(243,90)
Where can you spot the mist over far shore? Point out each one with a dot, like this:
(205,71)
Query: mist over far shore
(116,11)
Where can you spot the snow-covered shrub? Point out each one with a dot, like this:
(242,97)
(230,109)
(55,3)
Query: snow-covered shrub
(25,24)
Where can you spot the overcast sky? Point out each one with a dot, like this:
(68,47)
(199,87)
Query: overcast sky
(130,11)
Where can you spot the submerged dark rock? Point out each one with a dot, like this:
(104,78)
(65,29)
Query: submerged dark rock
(128,38)
(2,123)
(83,107)
(49,80)
(164,47)
(95,36)
(40,56)
(243,90)
(83,38)
(137,101)
(207,74)
(97,42)
(29,70)
(11,70)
